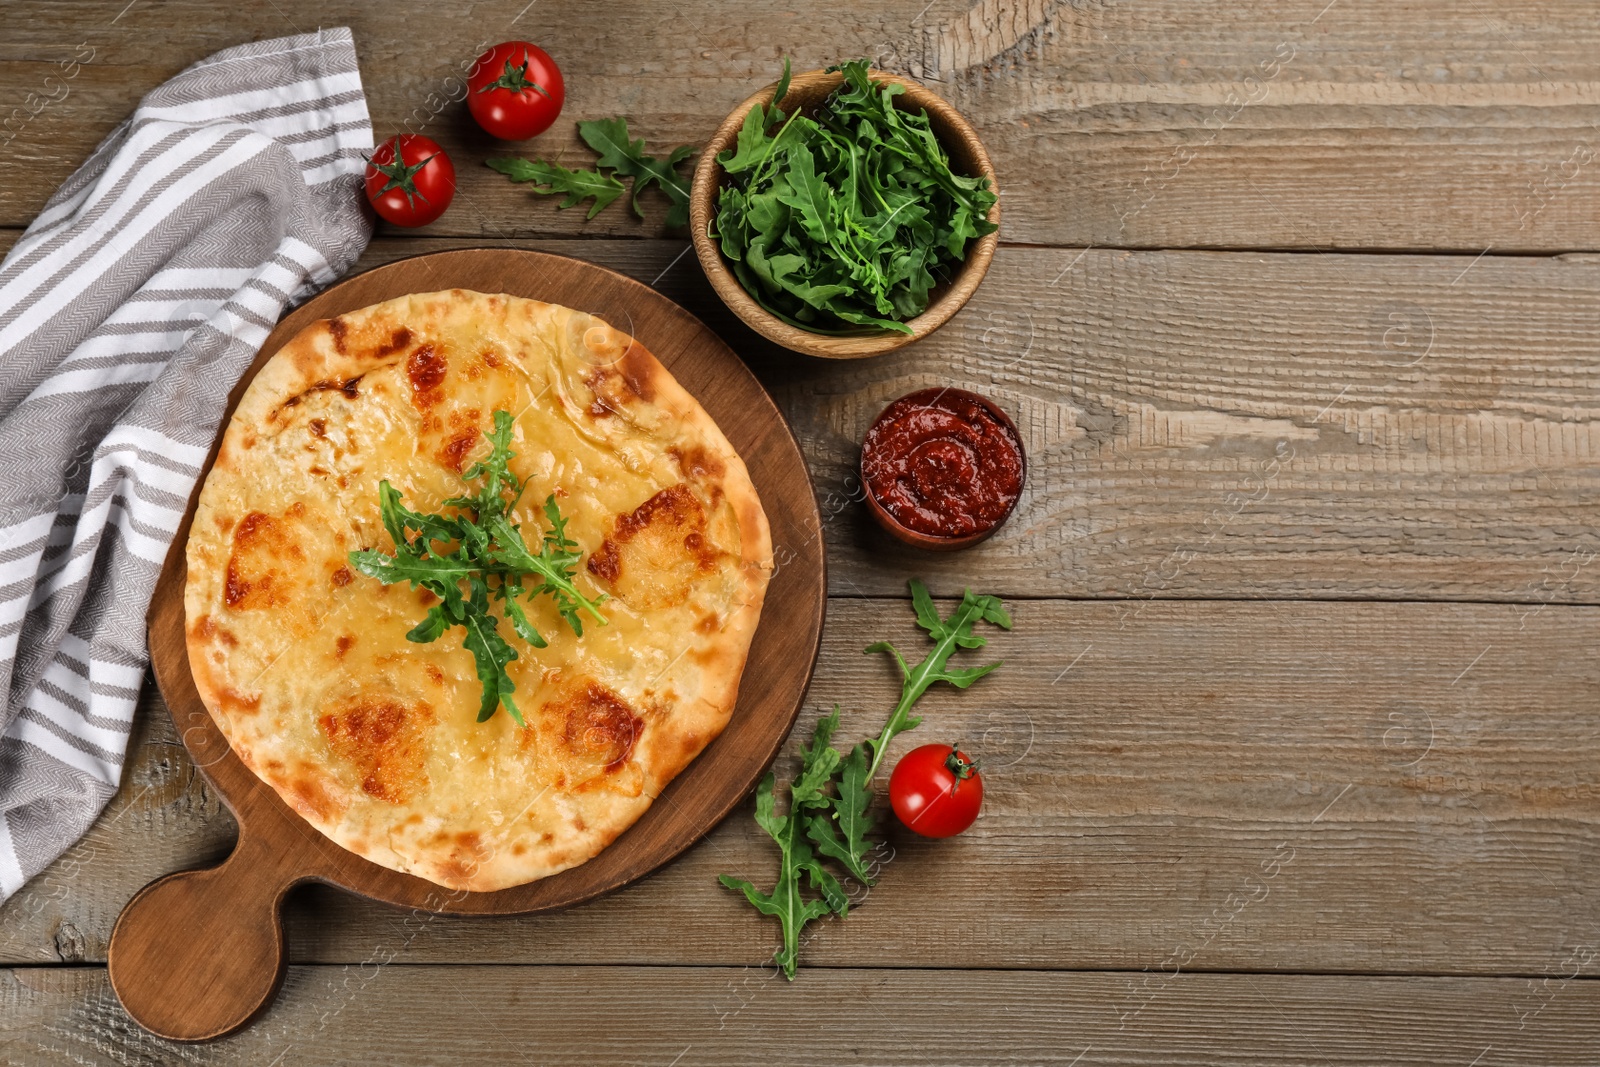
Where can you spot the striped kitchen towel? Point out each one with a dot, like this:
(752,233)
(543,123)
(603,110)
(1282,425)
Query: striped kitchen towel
(127,312)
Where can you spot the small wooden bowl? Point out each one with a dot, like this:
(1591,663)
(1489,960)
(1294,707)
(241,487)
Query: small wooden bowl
(932,542)
(806,92)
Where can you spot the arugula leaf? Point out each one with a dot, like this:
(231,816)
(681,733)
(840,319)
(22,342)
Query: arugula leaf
(844,838)
(552,566)
(609,137)
(817,762)
(786,901)
(495,472)
(839,831)
(782,90)
(620,156)
(830,799)
(399,519)
(948,635)
(492,655)
(519,620)
(811,196)
(753,145)
(848,218)
(439,575)
(431,628)
(478,545)
(549,178)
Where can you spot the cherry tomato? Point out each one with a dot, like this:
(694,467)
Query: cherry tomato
(936,790)
(410,181)
(515,90)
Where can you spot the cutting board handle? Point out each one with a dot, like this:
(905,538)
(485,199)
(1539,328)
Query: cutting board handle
(198,954)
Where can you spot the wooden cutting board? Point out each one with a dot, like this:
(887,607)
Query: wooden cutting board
(197,954)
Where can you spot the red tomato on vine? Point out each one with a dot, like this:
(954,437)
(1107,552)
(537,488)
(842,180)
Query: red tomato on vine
(515,90)
(936,790)
(409,180)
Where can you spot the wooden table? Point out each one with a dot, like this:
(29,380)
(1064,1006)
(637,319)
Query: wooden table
(1294,755)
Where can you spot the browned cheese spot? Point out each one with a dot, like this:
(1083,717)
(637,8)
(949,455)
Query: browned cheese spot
(254,578)
(454,452)
(656,552)
(384,742)
(588,729)
(696,463)
(637,368)
(236,702)
(310,796)
(398,341)
(600,728)
(344,644)
(602,406)
(347,386)
(342,577)
(426,368)
(613,385)
(456,873)
(464,434)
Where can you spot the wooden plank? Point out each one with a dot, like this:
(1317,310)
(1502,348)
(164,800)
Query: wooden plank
(1397,124)
(654,1015)
(1229,424)
(1217,425)
(1386,788)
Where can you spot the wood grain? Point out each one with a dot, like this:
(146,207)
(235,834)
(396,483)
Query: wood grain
(1397,124)
(1423,776)
(226,953)
(1203,424)
(1430,765)
(666,1015)
(1220,425)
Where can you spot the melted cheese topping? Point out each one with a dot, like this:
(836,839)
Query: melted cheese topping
(374,738)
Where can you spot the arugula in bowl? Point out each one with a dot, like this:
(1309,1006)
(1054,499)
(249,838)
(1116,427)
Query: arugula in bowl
(845,218)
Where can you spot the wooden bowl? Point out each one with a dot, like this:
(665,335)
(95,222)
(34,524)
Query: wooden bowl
(933,542)
(806,92)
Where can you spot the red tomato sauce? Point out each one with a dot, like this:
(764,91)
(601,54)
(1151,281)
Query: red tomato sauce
(944,463)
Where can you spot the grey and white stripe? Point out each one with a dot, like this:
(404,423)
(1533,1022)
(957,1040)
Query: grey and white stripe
(127,312)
